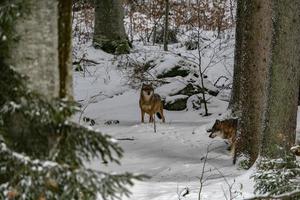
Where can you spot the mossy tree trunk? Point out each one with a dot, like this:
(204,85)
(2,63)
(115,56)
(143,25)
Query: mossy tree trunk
(65,48)
(281,110)
(109,31)
(252,60)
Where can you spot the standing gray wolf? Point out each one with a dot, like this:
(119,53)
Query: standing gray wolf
(225,129)
(150,103)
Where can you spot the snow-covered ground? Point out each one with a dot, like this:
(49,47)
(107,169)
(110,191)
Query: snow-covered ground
(173,156)
(180,150)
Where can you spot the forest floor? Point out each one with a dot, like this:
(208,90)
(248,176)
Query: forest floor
(180,153)
(174,155)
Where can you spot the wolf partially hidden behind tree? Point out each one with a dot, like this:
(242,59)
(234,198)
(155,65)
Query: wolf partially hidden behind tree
(150,103)
(226,129)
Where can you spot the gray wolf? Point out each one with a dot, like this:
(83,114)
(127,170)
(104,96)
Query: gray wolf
(225,129)
(150,103)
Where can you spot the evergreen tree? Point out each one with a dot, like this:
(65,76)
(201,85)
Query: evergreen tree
(42,153)
(278,169)
(252,65)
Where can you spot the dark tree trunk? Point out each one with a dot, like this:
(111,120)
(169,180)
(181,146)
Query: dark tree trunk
(283,89)
(252,61)
(235,100)
(65,47)
(166,25)
(109,31)
(299,96)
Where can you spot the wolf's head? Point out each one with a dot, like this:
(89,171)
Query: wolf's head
(216,129)
(147,90)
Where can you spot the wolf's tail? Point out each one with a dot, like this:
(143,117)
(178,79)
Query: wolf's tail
(158,115)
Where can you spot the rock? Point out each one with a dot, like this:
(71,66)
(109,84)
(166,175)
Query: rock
(89,120)
(111,122)
(190,90)
(176,103)
(113,46)
(194,102)
(78,68)
(173,72)
(213,92)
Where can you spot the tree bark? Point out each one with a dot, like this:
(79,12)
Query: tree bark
(281,110)
(235,100)
(109,31)
(65,48)
(43,54)
(35,53)
(253,60)
(166,25)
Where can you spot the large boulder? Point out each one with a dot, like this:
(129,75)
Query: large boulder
(173,72)
(194,102)
(113,46)
(190,90)
(176,103)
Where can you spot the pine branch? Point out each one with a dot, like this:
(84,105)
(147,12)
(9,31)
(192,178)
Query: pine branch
(286,196)
(32,177)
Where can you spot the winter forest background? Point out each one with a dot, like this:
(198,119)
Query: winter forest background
(70,80)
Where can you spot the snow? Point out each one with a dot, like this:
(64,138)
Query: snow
(164,66)
(173,156)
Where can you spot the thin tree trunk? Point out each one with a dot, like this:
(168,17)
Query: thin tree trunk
(200,59)
(166,25)
(64,48)
(255,59)
(281,110)
(299,94)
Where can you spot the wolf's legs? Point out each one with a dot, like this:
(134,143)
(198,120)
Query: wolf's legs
(151,118)
(230,144)
(162,116)
(142,115)
(162,113)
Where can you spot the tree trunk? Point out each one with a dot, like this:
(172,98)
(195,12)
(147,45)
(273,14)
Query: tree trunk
(166,25)
(281,110)
(109,31)
(255,59)
(65,48)
(235,100)
(43,54)
(35,53)
(299,96)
